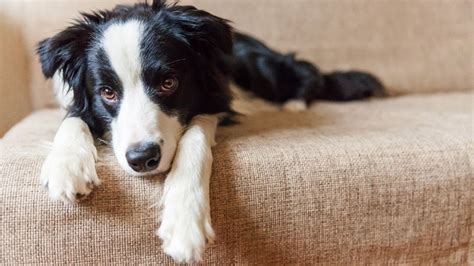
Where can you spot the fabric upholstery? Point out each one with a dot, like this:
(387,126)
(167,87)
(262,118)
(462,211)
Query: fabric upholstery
(413,45)
(379,182)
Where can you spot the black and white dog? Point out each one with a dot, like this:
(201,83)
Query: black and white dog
(155,79)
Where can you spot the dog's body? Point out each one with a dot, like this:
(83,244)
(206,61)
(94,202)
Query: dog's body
(155,78)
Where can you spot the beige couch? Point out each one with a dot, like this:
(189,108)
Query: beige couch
(383,181)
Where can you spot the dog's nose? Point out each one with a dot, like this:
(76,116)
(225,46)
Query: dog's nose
(143,157)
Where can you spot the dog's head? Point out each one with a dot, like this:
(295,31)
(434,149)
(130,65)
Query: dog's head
(141,73)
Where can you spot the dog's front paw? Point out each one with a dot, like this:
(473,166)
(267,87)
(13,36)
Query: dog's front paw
(69,174)
(184,233)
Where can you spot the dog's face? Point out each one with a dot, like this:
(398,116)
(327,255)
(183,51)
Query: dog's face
(141,73)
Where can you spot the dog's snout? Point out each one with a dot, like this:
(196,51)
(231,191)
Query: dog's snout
(143,157)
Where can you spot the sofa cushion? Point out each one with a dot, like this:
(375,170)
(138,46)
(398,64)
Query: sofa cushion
(379,182)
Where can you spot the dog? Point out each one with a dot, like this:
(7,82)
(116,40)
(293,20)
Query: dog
(155,78)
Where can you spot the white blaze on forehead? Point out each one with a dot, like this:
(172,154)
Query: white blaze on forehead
(121,43)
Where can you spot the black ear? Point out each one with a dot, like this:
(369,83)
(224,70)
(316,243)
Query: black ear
(207,34)
(210,37)
(65,52)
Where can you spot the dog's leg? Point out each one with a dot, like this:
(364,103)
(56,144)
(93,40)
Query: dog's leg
(185,219)
(69,170)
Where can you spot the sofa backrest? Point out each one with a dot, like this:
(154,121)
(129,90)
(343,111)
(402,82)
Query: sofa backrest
(412,45)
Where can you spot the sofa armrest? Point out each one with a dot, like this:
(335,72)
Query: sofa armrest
(14,73)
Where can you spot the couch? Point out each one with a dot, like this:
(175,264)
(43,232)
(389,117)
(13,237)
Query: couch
(380,181)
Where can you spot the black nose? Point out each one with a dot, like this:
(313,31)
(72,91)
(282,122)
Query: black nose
(143,157)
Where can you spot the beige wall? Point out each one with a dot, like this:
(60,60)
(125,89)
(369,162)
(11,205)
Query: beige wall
(15,101)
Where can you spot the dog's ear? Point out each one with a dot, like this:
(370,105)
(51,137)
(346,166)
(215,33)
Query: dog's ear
(210,37)
(207,34)
(65,52)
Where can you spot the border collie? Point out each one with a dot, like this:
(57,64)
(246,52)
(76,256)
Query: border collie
(155,77)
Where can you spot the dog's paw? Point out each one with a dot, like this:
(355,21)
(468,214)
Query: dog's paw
(184,234)
(70,174)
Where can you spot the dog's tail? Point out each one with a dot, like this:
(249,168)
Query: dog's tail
(350,85)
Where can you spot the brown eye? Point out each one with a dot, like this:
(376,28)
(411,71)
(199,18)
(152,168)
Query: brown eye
(169,85)
(108,94)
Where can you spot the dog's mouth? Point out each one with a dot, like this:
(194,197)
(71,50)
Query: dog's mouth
(152,174)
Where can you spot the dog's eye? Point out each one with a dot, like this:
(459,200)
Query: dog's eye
(108,94)
(169,85)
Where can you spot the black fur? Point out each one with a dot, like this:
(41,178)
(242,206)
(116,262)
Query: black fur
(200,50)
(280,77)
(179,40)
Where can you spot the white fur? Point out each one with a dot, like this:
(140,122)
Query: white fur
(62,90)
(69,170)
(185,220)
(121,42)
(139,119)
(294,106)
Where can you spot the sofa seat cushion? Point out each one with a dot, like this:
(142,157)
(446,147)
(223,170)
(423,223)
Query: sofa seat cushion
(379,182)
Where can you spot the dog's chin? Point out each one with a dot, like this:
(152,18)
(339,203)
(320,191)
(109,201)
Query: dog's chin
(157,172)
